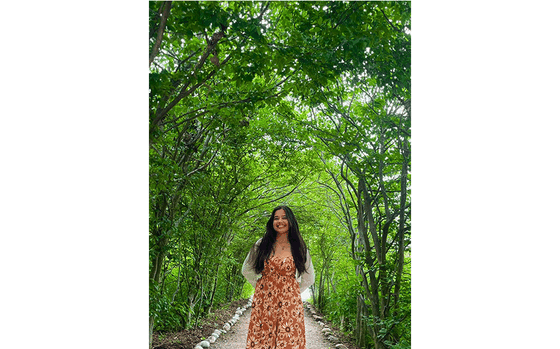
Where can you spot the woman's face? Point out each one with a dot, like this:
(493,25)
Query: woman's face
(280,223)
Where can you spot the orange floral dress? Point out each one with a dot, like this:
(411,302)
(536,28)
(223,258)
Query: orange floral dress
(277,310)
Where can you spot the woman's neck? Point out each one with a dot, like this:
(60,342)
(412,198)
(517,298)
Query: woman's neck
(282,237)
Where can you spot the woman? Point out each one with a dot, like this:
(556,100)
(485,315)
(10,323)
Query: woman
(279,268)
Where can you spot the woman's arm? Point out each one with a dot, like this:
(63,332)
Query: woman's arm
(247,270)
(307,278)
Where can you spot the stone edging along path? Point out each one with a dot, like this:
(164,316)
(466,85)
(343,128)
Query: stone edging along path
(325,341)
(326,331)
(227,326)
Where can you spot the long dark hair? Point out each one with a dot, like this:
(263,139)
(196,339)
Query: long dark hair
(298,246)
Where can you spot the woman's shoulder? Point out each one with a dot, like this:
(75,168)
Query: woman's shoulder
(257,244)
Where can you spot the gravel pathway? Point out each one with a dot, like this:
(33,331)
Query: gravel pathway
(236,338)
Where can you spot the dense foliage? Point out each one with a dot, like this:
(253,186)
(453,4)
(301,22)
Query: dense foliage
(253,104)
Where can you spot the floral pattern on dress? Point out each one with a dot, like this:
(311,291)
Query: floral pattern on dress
(277,311)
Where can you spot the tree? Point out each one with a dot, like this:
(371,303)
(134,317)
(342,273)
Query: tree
(360,124)
(235,93)
(369,138)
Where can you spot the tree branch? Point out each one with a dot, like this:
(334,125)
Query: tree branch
(388,21)
(164,16)
(213,42)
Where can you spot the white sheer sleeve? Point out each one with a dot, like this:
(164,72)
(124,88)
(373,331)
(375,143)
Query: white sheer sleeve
(308,278)
(247,269)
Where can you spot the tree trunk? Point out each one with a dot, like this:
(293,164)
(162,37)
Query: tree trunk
(360,331)
(155,276)
(214,288)
(151,330)
(400,264)
(321,293)
(404,178)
